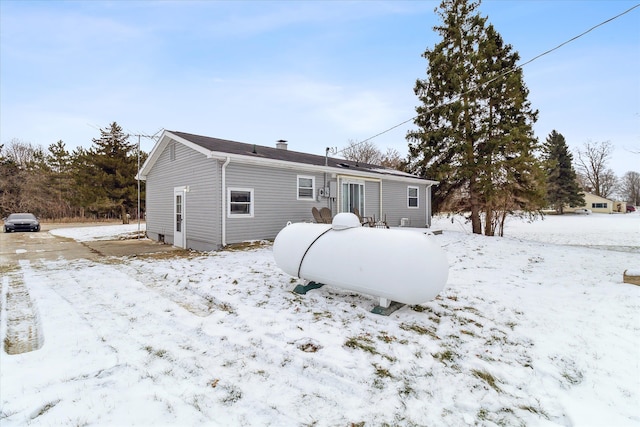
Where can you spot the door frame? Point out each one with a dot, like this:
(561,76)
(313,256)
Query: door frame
(180,237)
(343,197)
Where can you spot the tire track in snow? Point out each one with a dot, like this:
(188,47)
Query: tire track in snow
(21,328)
(157,342)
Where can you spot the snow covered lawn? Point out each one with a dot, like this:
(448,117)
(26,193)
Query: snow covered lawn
(536,328)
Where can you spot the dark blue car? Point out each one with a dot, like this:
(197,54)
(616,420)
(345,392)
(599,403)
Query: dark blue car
(21,222)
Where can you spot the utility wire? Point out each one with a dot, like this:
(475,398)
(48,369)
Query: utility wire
(509,71)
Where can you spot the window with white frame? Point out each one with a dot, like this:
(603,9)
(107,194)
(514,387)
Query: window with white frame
(240,202)
(598,205)
(413,198)
(306,187)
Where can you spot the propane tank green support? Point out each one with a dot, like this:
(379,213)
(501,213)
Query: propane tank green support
(387,307)
(303,289)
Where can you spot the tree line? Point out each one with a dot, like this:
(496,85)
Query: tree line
(474,133)
(94,183)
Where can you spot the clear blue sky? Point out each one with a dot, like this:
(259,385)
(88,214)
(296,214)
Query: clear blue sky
(316,73)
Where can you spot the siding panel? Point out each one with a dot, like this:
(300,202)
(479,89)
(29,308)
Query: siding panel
(372,199)
(203,209)
(394,204)
(275,201)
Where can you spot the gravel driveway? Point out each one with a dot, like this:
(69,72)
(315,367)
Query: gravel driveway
(43,245)
(21,250)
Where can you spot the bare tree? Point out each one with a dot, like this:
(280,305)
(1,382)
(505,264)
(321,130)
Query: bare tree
(392,159)
(23,154)
(23,176)
(592,165)
(364,152)
(630,187)
(608,184)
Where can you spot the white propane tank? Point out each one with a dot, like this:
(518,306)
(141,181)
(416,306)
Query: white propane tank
(399,265)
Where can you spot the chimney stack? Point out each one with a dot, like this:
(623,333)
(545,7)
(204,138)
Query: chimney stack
(281,144)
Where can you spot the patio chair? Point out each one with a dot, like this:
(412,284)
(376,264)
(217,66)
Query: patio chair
(381,223)
(363,220)
(325,214)
(316,215)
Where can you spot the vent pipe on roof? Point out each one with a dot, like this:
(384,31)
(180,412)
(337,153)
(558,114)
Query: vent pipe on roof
(281,144)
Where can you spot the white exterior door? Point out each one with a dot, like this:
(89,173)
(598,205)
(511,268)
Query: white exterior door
(179,223)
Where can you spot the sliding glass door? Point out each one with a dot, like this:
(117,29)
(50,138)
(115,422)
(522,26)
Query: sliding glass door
(352,196)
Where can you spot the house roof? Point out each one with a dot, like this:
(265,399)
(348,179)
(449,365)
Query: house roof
(596,197)
(218,148)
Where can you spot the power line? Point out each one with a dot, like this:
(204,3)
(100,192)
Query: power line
(509,71)
(144,135)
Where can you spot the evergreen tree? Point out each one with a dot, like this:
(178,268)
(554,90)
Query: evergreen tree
(562,182)
(83,194)
(511,177)
(444,146)
(59,162)
(58,158)
(105,174)
(38,198)
(475,124)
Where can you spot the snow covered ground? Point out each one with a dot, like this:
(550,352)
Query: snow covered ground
(536,329)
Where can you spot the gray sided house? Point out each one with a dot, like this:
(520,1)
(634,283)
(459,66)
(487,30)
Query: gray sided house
(204,193)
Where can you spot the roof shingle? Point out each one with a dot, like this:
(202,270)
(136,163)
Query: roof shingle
(262,151)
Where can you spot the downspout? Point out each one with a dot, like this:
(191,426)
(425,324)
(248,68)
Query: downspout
(380,207)
(224,201)
(428,203)
(326,164)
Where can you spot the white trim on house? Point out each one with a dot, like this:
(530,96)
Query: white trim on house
(223,199)
(310,198)
(410,197)
(427,205)
(250,204)
(350,180)
(359,179)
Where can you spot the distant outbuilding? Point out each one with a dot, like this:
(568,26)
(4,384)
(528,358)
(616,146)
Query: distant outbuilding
(595,204)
